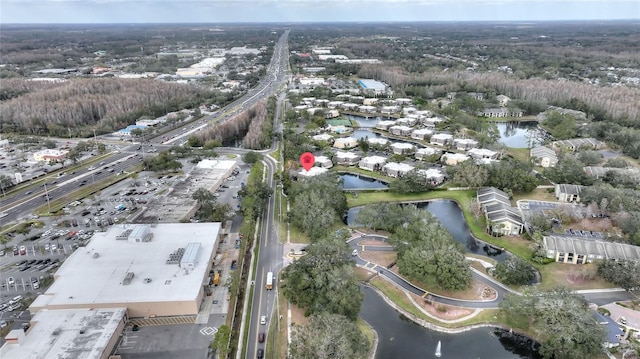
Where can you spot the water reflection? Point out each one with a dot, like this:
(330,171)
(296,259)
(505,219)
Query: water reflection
(362,133)
(451,218)
(519,134)
(365,121)
(401,338)
(351,181)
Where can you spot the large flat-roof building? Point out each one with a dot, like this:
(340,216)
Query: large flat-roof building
(151,271)
(372,85)
(68,333)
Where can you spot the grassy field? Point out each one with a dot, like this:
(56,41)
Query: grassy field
(538,194)
(521,154)
(360,171)
(377,197)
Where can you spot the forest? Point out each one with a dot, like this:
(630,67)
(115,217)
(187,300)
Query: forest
(107,104)
(576,65)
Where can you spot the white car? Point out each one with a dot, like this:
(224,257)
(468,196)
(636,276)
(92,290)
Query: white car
(11,281)
(263,320)
(46,247)
(54,247)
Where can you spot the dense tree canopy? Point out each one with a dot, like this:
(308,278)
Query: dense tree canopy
(561,319)
(426,250)
(411,182)
(323,280)
(317,203)
(568,170)
(560,126)
(511,176)
(514,270)
(328,336)
(468,174)
(623,273)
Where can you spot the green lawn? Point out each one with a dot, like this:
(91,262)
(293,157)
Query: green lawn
(360,171)
(377,197)
(520,154)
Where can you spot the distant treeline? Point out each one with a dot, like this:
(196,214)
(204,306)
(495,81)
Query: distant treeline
(56,108)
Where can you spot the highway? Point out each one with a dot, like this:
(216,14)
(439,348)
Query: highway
(270,251)
(268,246)
(20,205)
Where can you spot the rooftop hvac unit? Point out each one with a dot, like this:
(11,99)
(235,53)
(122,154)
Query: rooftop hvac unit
(128,278)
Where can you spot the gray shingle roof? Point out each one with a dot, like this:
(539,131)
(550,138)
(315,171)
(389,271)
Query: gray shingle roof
(591,247)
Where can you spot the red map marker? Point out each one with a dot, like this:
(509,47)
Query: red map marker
(307,160)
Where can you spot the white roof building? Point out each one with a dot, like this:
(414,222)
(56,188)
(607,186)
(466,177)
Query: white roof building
(395,169)
(377,141)
(312,81)
(480,153)
(346,158)
(50,154)
(313,171)
(465,143)
(407,121)
(367,109)
(421,133)
(385,124)
(323,161)
(432,174)
(345,142)
(372,85)
(137,267)
(372,163)
(322,137)
(67,333)
(400,130)
(441,139)
(402,148)
(453,159)
(422,153)
(332,57)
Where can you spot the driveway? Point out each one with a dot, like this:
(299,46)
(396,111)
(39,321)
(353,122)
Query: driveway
(617,311)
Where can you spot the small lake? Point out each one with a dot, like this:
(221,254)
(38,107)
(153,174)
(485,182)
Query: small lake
(518,134)
(451,218)
(351,181)
(363,132)
(401,338)
(365,121)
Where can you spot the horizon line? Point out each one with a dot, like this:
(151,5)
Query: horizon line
(325,22)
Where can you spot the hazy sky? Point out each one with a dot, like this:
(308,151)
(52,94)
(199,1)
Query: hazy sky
(221,11)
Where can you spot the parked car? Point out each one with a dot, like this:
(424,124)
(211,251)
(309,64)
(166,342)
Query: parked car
(11,281)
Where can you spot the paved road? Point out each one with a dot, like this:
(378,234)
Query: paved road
(406,285)
(270,250)
(21,204)
(599,297)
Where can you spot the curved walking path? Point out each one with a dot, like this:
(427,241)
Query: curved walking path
(404,284)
